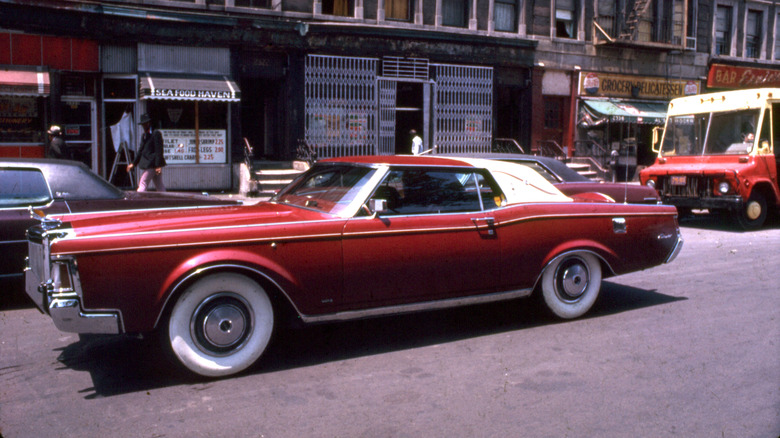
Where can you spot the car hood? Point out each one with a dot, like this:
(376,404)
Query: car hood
(188,219)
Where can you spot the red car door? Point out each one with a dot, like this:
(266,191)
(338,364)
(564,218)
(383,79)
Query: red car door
(434,241)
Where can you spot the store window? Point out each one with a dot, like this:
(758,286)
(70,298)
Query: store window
(21,119)
(777,37)
(119,97)
(195,132)
(454,13)
(753,34)
(506,15)
(723,30)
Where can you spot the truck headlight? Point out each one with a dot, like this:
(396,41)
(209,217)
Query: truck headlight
(724,188)
(650,183)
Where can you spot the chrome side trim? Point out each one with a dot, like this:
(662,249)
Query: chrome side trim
(417,307)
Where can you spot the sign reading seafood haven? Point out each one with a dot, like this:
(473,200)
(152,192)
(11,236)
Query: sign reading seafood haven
(637,87)
(173,93)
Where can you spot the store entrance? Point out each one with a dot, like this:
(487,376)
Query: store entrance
(409,115)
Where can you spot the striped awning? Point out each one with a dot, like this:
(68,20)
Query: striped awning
(24,83)
(199,88)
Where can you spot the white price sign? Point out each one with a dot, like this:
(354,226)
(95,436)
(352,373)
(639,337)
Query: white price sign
(180,148)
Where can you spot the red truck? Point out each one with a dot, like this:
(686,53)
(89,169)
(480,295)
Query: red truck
(720,152)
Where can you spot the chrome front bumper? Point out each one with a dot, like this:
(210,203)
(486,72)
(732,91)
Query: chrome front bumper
(59,295)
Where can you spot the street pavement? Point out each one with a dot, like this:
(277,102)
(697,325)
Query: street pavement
(689,349)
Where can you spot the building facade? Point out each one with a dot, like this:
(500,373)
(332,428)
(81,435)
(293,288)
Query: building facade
(339,77)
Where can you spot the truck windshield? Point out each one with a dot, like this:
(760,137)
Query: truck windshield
(727,133)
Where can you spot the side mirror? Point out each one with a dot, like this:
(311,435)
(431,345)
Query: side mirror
(377,206)
(657,134)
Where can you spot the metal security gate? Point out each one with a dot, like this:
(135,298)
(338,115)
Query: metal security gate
(341,105)
(462,108)
(387,100)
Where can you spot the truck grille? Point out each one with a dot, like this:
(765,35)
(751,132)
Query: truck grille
(685,186)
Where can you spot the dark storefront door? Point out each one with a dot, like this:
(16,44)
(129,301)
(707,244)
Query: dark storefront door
(78,121)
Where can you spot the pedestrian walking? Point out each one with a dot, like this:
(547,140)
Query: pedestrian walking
(150,158)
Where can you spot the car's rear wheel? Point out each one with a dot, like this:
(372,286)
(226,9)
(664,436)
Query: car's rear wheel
(221,325)
(571,284)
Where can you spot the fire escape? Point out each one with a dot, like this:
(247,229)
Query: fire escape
(656,24)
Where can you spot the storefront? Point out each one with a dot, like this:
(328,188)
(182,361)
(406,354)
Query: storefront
(23,111)
(193,112)
(618,113)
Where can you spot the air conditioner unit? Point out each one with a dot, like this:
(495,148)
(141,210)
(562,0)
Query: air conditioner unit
(690,43)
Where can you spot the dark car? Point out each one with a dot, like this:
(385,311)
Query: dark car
(571,183)
(58,187)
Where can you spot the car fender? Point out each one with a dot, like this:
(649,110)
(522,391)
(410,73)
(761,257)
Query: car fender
(198,266)
(600,250)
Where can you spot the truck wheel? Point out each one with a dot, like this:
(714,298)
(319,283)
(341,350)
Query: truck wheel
(220,325)
(753,213)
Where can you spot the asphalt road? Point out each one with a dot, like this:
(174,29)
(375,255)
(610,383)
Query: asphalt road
(690,349)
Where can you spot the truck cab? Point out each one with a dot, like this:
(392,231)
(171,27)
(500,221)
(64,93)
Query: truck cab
(720,152)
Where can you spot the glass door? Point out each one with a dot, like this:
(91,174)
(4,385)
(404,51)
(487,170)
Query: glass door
(79,126)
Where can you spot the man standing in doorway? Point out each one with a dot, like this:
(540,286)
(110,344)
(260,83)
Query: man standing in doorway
(417,143)
(150,158)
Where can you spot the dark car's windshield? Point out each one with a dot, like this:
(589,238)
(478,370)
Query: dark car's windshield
(327,188)
(22,187)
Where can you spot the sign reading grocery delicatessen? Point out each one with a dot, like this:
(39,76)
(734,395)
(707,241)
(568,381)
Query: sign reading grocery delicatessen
(635,87)
(729,76)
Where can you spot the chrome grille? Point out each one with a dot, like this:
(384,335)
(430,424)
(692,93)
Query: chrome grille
(694,187)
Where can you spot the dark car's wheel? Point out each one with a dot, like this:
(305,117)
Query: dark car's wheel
(221,325)
(571,284)
(753,214)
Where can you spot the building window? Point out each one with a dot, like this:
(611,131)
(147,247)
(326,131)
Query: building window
(723,30)
(454,13)
(505,15)
(342,8)
(753,35)
(253,3)
(777,36)
(565,19)
(397,10)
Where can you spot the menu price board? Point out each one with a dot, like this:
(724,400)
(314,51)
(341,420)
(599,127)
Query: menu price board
(180,147)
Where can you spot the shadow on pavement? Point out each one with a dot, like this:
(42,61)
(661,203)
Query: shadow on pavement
(122,364)
(722,222)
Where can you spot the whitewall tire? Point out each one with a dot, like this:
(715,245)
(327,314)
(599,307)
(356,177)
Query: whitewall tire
(571,284)
(221,325)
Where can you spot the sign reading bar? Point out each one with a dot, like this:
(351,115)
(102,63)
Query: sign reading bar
(728,76)
(637,87)
(180,148)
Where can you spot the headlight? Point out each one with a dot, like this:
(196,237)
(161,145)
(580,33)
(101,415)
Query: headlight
(650,183)
(724,187)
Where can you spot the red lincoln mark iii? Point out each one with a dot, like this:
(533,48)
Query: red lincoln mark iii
(351,238)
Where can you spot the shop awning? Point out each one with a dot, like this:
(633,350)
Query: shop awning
(199,88)
(24,83)
(596,112)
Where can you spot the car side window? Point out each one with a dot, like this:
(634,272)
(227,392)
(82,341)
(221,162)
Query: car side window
(23,187)
(425,191)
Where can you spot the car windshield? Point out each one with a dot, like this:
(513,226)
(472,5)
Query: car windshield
(329,188)
(727,133)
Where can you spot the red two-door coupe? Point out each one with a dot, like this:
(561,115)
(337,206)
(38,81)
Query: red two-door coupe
(351,238)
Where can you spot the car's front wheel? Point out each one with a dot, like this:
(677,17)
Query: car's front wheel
(571,284)
(221,325)
(753,214)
